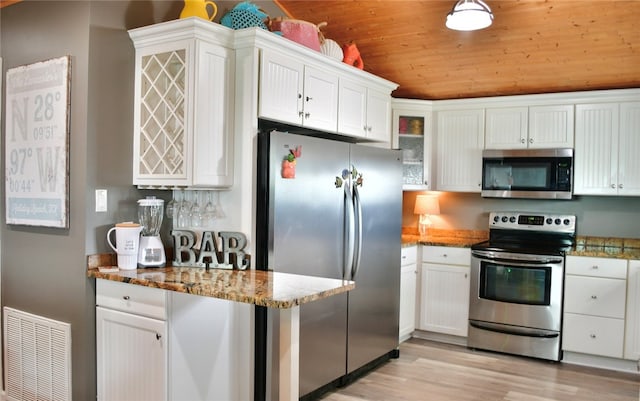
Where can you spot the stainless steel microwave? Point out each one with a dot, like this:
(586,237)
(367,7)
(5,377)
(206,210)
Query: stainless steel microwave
(527,173)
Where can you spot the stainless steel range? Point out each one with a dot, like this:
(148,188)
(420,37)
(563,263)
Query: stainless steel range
(517,281)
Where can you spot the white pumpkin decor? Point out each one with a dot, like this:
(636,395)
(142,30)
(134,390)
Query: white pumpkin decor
(329,47)
(332,49)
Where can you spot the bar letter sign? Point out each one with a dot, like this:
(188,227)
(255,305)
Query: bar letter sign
(37,143)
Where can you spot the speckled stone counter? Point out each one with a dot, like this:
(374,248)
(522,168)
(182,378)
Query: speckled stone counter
(443,237)
(258,287)
(606,247)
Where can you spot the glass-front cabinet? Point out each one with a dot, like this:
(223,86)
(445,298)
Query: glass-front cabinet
(412,134)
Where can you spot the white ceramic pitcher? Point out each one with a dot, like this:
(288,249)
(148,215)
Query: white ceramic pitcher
(127,243)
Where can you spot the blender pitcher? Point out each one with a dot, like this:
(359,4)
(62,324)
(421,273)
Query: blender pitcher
(151,249)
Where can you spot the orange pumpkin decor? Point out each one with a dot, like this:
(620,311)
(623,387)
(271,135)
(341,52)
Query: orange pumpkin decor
(289,163)
(352,55)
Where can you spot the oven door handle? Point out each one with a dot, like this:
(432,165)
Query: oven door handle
(516,331)
(519,259)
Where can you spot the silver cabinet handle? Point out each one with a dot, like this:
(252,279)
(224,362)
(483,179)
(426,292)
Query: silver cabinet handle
(620,186)
(613,185)
(306,115)
(530,140)
(126,297)
(308,98)
(594,297)
(592,336)
(158,336)
(522,140)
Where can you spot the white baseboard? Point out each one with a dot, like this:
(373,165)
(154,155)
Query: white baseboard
(439,337)
(595,361)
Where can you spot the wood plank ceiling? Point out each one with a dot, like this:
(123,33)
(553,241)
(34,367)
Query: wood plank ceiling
(533,46)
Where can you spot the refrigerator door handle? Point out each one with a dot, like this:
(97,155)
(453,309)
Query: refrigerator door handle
(349,234)
(357,205)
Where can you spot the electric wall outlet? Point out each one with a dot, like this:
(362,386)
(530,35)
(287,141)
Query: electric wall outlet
(101,200)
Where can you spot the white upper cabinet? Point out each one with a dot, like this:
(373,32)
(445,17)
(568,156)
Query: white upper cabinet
(529,127)
(183,109)
(412,132)
(460,139)
(628,160)
(607,148)
(295,93)
(364,112)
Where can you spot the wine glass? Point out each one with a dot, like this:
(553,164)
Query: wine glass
(171,205)
(219,213)
(183,212)
(195,214)
(209,215)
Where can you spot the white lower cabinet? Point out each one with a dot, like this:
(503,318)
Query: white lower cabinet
(131,342)
(632,330)
(408,283)
(156,345)
(444,303)
(594,306)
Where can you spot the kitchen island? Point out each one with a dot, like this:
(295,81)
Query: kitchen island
(282,291)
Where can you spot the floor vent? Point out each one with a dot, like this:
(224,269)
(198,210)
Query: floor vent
(37,357)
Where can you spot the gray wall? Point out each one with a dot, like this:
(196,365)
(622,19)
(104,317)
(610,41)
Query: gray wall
(43,269)
(603,216)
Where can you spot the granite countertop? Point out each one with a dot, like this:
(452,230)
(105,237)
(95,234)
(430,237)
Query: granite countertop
(443,237)
(258,287)
(604,247)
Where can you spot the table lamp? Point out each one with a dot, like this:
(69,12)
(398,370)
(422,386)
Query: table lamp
(425,206)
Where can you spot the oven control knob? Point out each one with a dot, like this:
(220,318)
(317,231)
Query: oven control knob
(512,219)
(557,221)
(549,220)
(504,219)
(496,219)
(566,222)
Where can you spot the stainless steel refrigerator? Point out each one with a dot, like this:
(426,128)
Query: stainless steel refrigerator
(333,209)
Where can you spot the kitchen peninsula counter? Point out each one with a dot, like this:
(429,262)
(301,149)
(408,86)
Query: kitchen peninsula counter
(261,288)
(258,287)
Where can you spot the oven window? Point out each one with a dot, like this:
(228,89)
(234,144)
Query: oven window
(522,285)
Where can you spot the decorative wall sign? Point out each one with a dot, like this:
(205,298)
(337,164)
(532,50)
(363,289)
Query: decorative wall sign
(37,143)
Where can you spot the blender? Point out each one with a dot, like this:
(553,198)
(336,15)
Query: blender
(151,249)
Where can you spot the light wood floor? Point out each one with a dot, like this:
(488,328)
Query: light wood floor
(429,371)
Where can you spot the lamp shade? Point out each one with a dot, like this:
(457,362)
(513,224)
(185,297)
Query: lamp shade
(469,15)
(426,204)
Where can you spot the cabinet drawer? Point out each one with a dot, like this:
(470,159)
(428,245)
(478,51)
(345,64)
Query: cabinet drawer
(597,296)
(408,255)
(131,298)
(446,255)
(597,267)
(593,335)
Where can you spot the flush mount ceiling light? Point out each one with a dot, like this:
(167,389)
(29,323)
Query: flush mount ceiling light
(469,15)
